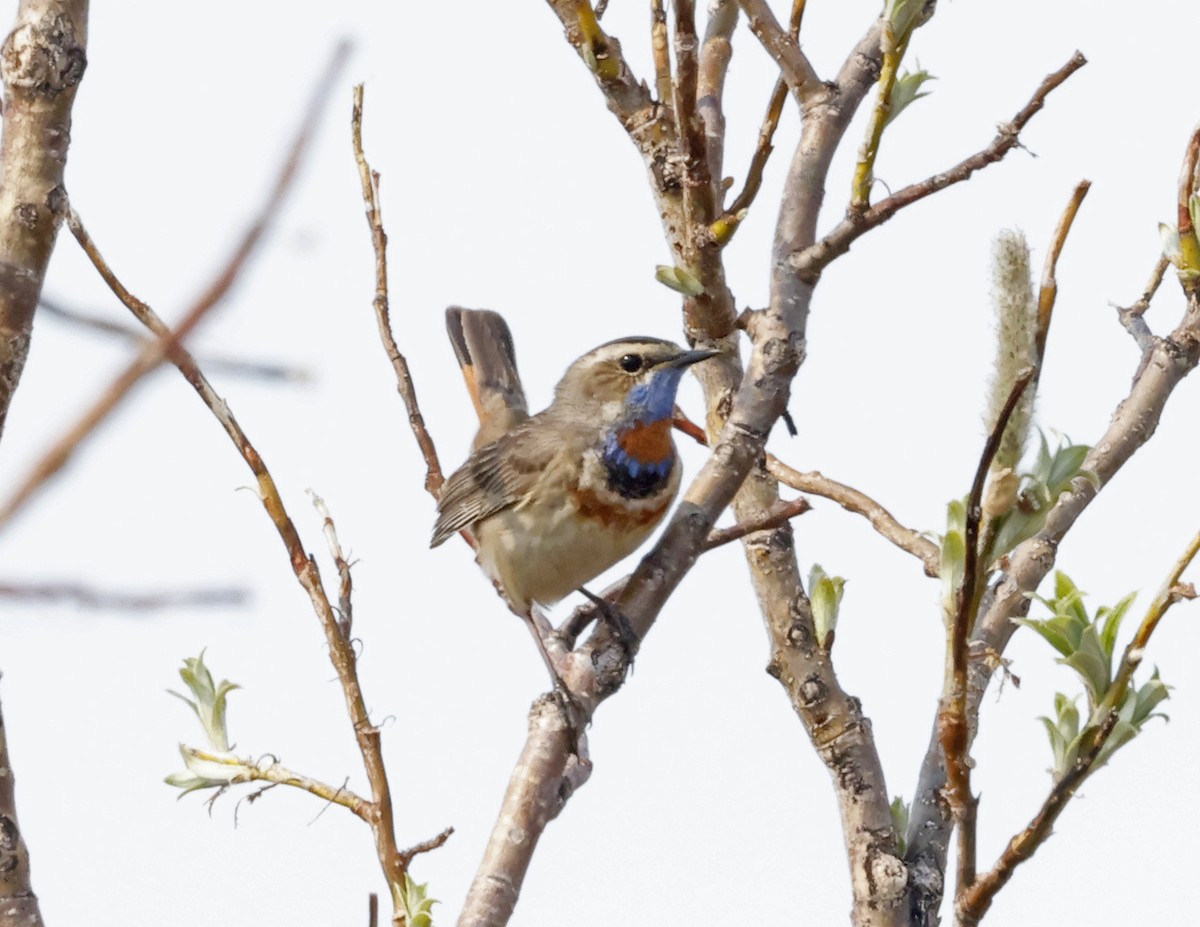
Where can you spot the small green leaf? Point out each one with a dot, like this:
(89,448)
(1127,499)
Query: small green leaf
(414,899)
(210,700)
(825,597)
(905,90)
(1110,622)
(678,279)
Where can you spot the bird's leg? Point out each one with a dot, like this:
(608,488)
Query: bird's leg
(547,640)
(544,637)
(617,623)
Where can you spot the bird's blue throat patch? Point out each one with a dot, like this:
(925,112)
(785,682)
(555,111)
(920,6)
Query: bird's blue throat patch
(638,453)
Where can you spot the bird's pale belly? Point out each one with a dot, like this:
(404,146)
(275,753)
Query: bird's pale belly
(540,552)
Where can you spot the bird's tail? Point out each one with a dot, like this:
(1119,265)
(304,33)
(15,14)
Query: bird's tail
(484,348)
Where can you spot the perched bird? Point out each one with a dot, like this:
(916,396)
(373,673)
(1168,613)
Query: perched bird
(556,498)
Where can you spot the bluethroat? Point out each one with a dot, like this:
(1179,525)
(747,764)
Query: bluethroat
(556,498)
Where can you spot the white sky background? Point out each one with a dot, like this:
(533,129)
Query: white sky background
(507,184)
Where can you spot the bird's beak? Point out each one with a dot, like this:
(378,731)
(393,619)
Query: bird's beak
(687,358)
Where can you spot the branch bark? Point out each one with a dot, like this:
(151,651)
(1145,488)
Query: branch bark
(41,63)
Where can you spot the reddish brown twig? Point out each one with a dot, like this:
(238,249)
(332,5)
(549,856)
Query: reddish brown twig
(164,346)
(404,383)
(952,718)
(1048,292)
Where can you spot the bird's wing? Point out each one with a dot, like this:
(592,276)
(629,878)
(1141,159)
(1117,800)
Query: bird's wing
(495,477)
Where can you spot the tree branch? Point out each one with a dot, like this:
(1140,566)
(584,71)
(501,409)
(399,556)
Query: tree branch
(233,366)
(88,597)
(404,384)
(1132,316)
(1048,292)
(41,64)
(165,346)
(797,71)
(776,518)
(43,60)
(810,261)
(860,503)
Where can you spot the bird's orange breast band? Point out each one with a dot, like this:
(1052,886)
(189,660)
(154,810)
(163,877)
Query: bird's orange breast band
(647,443)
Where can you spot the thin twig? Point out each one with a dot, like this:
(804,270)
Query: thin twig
(661,48)
(252,771)
(163,347)
(975,902)
(341,651)
(90,597)
(716,51)
(426,846)
(697,199)
(776,518)
(345,581)
(762,151)
(1168,595)
(233,366)
(404,383)
(372,910)
(810,261)
(797,71)
(1132,317)
(852,500)
(952,718)
(1048,292)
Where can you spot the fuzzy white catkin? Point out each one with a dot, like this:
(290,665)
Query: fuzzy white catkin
(1016,331)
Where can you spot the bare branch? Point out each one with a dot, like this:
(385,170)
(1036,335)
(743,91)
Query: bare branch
(715,54)
(1132,316)
(810,261)
(426,846)
(662,55)
(43,62)
(233,366)
(776,518)
(404,383)
(341,651)
(164,347)
(1049,287)
(345,581)
(797,71)
(89,597)
(852,500)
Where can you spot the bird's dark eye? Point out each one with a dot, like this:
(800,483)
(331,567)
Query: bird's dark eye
(631,363)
